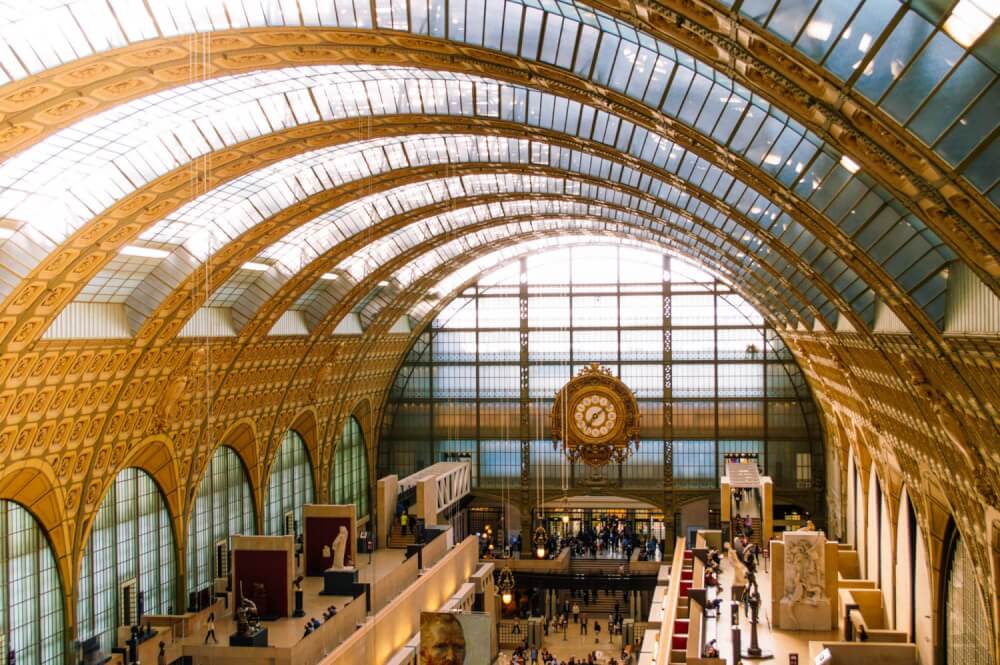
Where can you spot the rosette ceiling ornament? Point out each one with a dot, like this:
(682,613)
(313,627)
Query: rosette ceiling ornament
(595,418)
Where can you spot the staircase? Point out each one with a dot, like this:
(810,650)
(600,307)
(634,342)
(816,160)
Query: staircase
(600,608)
(596,567)
(757,536)
(678,648)
(399,541)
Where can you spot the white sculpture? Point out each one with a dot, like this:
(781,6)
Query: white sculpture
(804,602)
(338,546)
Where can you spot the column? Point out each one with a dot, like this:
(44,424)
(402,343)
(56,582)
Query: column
(667,432)
(524,422)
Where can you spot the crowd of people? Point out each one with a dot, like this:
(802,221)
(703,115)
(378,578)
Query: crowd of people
(560,622)
(313,624)
(612,538)
(525,656)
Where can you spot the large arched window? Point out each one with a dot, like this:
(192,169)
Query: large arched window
(290,486)
(349,478)
(224,506)
(31,604)
(966,623)
(129,556)
(710,375)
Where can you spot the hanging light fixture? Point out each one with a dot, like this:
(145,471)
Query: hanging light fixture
(541,539)
(505,585)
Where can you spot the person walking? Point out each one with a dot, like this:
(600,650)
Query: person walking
(210,629)
(404,520)
(597,632)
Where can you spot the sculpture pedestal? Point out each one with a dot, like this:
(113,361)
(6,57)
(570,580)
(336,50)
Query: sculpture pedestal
(258,639)
(805,615)
(299,612)
(339,582)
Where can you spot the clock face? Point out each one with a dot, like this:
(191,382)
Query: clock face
(595,416)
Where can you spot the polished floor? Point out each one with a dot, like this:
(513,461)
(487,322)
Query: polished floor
(287,632)
(778,643)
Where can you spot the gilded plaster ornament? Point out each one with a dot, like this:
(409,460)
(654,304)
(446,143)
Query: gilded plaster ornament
(168,407)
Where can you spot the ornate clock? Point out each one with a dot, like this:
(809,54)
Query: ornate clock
(596,418)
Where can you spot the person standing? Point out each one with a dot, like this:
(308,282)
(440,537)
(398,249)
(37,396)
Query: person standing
(210,628)
(161,657)
(597,632)
(403,521)
(576,613)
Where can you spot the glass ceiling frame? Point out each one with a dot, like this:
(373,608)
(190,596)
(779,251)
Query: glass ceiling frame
(474,263)
(421,251)
(258,194)
(241,191)
(364,217)
(490,204)
(425,222)
(931,295)
(401,91)
(423,265)
(853,42)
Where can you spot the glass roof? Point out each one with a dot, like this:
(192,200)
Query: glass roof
(381,297)
(214,218)
(898,54)
(907,59)
(359,265)
(462,249)
(366,261)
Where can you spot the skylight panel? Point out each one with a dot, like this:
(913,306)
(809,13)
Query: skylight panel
(969,19)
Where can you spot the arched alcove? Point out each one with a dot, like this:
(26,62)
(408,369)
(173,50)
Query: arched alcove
(128,560)
(289,487)
(966,637)
(223,507)
(349,475)
(31,615)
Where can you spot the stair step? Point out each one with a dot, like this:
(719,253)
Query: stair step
(399,541)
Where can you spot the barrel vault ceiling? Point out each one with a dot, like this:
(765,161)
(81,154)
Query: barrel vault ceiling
(309,163)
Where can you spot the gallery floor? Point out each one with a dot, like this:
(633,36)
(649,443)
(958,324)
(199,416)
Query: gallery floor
(779,643)
(287,632)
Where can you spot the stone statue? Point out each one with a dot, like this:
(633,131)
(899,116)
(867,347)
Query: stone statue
(247,617)
(804,603)
(338,546)
(806,580)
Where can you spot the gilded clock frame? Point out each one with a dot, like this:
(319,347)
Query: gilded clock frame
(617,444)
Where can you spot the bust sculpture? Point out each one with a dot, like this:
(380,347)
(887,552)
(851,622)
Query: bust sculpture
(338,546)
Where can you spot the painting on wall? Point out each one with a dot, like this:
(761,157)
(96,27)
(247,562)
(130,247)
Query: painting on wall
(450,638)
